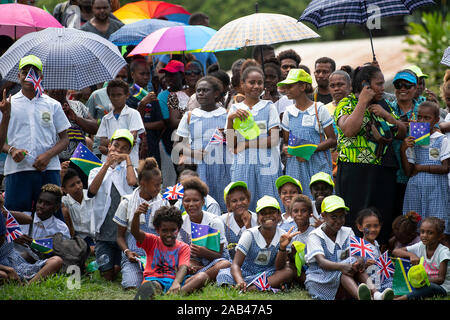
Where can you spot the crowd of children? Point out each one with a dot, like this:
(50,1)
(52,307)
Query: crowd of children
(239,179)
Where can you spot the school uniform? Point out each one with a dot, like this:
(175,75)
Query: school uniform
(258,168)
(259,257)
(34,126)
(132,275)
(232,230)
(426,193)
(80,214)
(213,221)
(323,284)
(211,205)
(304,125)
(46,228)
(127,119)
(214,170)
(287,222)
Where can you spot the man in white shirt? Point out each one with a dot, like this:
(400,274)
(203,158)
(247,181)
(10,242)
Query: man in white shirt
(37,133)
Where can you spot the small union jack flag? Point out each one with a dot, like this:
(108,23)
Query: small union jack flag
(217,138)
(12,228)
(360,247)
(174,193)
(262,283)
(387,268)
(34,77)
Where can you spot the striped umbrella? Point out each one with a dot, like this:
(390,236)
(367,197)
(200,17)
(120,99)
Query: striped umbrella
(446,57)
(258,29)
(323,13)
(71,58)
(132,34)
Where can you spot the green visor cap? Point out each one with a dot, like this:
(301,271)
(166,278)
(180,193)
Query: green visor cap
(123,134)
(294,76)
(248,128)
(30,60)
(267,202)
(417,275)
(332,203)
(231,186)
(281,181)
(417,71)
(322,176)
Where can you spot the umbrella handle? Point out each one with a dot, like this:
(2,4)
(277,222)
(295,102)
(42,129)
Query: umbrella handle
(371,44)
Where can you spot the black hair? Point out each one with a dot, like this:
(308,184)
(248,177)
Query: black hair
(53,189)
(70,173)
(117,83)
(256,53)
(250,69)
(368,212)
(135,63)
(197,18)
(213,81)
(363,74)
(273,64)
(195,183)
(327,60)
(438,224)
(148,168)
(289,54)
(167,214)
(303,67)
(302,199)
(236,72)
(406,224)
(223,77)
(431,105)
(347,69)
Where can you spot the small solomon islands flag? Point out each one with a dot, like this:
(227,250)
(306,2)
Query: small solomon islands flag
(13,230)
(138,92)
(300,147)
(400,282)
(142,260)
(205,236)
(85,159)
(43,245)
(421,132)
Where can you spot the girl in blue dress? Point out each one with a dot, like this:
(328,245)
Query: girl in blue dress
(261,249)
(309,121)
(427,192)
(238,218)
(256,161)
(202,130)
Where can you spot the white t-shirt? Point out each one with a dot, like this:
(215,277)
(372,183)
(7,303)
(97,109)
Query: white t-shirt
(128,119)
(80,213)
(34,126)
(432,264)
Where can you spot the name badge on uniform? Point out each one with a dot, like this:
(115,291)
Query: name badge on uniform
(307,120)
(433,154)
(262,125)
(263,257)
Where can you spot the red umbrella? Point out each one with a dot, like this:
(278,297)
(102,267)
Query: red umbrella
(19,19)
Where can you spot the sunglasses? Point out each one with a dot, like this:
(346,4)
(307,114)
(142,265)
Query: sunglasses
(399,85)
(195,72)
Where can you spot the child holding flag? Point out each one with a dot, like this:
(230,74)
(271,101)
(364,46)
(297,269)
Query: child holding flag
(207,257)
(150,180)
(435,258)
(427,165)
(331,271)
(203,140)
(261,249)
(304,125)
(107,184)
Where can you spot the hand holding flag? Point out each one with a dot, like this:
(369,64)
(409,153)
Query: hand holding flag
(85,159)
(262,284)
(300,147)
(205,236)
(386,266)
(13,230)
(421,132)
(360,248)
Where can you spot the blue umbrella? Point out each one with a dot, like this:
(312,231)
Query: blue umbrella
(323,13)
(71,58)
(133,33)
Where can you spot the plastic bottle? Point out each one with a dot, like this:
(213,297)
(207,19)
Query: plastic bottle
(100,261)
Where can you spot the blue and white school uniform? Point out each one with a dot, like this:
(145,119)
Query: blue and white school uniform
(304,125)
(214,170)
(213,221)
(11,258)
(132,275)
(287,223)
(426,193)
(323,284)
(258,168)
(259,257)
(232,230)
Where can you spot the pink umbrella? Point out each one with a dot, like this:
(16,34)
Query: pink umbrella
(19,19)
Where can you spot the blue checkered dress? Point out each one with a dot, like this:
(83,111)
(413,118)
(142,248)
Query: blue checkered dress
(426,193)
(215,170)
(320,161)
(259,168)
